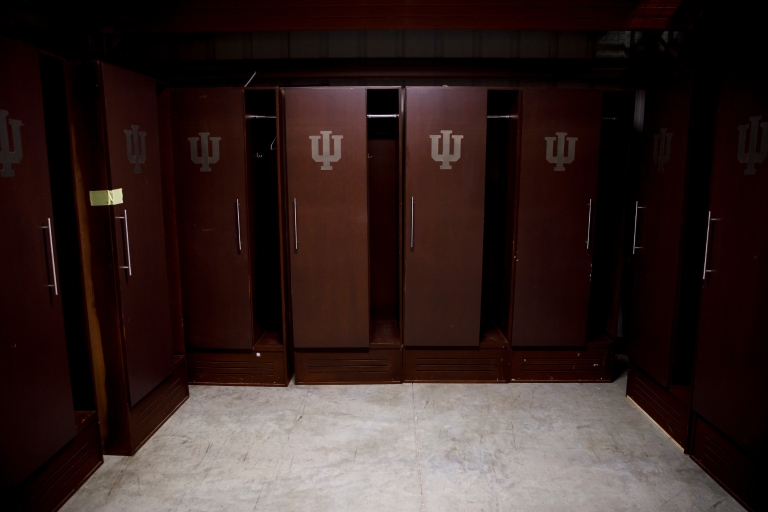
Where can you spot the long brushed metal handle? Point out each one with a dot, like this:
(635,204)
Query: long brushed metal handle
(295,231)
(239,239)
(55,284)
(710,220)
(127,244)
(634,236)
(411,222)
(589,223)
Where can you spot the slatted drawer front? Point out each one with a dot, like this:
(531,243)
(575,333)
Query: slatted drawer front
(436,365)
(253,368)
(589,365)
(371,366)
(666,410)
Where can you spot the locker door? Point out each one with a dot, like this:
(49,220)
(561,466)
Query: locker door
(130,112)
(328,216)
(658,230)
(556,209)
(209,161)
(731,382)
(444,194)
(36,407)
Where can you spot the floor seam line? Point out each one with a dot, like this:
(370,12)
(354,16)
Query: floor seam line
(418,447)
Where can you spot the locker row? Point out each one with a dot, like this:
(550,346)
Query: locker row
(155,237)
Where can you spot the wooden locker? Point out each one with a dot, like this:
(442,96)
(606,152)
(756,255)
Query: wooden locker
(731,384)
(658,229)
(212,217)
(555,215)
(444,192)
(325,137)
(35,390)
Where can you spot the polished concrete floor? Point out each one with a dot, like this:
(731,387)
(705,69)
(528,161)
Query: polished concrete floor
(422,447)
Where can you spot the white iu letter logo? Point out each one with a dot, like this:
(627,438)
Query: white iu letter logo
(205,159)
(560,158)
(446,157)
(136,156)
(752,156)
(662,145)
(8,157)
(326,158)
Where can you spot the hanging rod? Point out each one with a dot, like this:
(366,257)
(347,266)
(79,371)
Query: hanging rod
(609,118)
(379,116)
(260,117)
(512,116)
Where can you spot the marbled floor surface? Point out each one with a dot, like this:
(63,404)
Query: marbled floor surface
(406,447)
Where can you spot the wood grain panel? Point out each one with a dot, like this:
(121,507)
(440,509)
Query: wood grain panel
(38,416)
(553,262)
(130,100)
(731,384)
(443,267)
(329,253)
(214,248)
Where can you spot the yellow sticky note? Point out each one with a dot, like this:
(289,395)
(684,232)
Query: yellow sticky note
(106,197)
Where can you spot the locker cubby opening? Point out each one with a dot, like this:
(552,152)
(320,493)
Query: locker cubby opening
(65,222)
(262,156)
(500,180)
(384,184)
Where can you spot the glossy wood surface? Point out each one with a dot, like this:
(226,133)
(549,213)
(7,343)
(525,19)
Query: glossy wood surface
(35,393)
(329,267)
(731,383)
(131,100)
(658,227)
(215,267)
(552,260)
(443,269)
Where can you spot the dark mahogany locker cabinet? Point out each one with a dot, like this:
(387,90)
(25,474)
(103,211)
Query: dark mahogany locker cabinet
(328,211)
(40,429)
(124,247)
(225,174)
(557,187)
(730,433)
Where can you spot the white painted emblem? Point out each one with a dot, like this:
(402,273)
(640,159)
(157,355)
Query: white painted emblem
(752,156)
(662,146)
(205,159)
(326,158)
(8,157)
(560,158)
(446,157)
(136,155)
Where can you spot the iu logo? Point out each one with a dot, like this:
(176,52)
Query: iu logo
(446,157)
(204,159)
(560,158)
(136,156)
(751,156)
(326,158)
(8,157)
(662,145)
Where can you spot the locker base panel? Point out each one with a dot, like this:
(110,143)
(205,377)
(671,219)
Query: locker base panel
(57,480)
(152,411)
(265,365)
(670,413)
(593,363)
(374,365)
(728,465)
(489,362)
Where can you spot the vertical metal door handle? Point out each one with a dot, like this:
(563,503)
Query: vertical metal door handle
(634,236)
(239,239)
(55,285)
(295,232)
(127,244)
(710,220)
(589,223)
(411,222)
